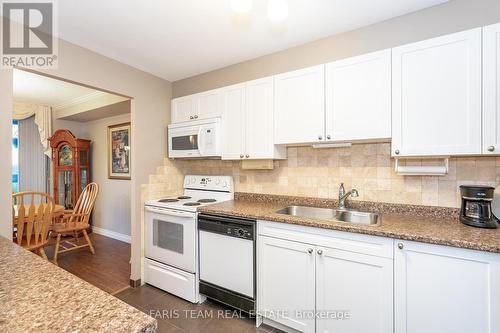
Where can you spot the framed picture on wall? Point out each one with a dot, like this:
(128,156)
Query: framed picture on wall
(119,151)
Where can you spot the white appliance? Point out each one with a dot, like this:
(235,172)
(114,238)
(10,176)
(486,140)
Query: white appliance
(227,260)
(195,139)
(171,234)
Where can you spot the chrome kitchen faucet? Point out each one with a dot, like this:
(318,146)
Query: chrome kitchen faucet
(343,196)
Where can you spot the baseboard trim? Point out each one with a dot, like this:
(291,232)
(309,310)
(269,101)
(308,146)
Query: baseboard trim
(135,283)
(112,234)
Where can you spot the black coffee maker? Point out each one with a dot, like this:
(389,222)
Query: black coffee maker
(476,206)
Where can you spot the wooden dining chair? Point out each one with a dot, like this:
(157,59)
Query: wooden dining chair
(75,221)
(33,221)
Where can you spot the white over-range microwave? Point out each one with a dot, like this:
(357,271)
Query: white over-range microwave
(195,139)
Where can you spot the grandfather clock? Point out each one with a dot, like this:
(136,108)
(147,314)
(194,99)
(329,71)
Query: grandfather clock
(71,167)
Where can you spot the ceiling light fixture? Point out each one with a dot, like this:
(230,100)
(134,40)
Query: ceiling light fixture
(277,10)
(241,6)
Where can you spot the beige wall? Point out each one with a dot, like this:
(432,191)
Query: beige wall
(319,172)
(456,15)
(112,207)
(150,116)
(75,127)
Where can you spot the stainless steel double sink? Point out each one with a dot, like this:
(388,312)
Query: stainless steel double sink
(342,215)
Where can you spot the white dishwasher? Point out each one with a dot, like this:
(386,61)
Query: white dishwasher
(227,260)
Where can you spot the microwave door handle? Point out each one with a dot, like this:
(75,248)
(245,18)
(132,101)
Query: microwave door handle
(200,141)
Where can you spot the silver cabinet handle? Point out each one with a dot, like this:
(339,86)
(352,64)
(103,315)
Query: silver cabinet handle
(491,148)
(191,117)
(320,137)
(241,156)
(195,117)
(400,246)
(247,156)
(396,151)
(328,136)
(319,252)
(310,251)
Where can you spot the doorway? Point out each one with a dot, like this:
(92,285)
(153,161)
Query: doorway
(42,106)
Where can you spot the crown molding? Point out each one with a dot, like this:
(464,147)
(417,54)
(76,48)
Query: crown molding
(79,100)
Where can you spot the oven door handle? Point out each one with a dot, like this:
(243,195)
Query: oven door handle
(168,212)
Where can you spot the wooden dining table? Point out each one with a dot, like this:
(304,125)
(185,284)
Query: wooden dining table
(56,214)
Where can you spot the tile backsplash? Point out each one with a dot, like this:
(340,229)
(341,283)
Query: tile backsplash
(319,172)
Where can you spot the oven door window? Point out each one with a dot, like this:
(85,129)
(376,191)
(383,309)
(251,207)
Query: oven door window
(185,142)
(168,236)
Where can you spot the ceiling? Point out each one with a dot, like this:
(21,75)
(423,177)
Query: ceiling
(38,89)
(71,101)
(176,39)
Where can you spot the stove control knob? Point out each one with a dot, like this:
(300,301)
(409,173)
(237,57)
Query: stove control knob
(193,180)
(240,232)
(224,183)
(217,181)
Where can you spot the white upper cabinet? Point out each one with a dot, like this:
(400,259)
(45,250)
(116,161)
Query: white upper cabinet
(445,290)
(208,105)
(184,108)
(299,106)
(436,96)
(491,89)
(248,121)
(358,98)
(233,121)
(259,130)
(198,106)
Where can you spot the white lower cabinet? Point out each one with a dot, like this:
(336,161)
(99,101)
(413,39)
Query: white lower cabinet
(286,282)
(317,280)
(357,285)
(439,289)
(319,284)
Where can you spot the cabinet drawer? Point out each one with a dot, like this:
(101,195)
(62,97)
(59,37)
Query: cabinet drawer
(346,241)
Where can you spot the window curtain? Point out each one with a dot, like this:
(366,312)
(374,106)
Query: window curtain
(42,119)
(33,163)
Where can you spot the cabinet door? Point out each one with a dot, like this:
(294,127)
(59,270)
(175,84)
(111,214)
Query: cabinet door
(436,90)
(491,89)
(208,105)
(358,284)
(299,106)
(233,123)
(445,290)
(358,98)
(259,140)
(285,285)
(184,108)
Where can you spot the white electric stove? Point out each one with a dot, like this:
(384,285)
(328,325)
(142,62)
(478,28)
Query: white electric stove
(171,234)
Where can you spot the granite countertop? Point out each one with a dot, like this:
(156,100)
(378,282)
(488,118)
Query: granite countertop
(37,296)
(439,229)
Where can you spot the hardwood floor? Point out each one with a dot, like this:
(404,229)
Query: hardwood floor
(176,315)
(108,269)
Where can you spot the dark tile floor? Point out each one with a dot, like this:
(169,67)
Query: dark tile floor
(175,315)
